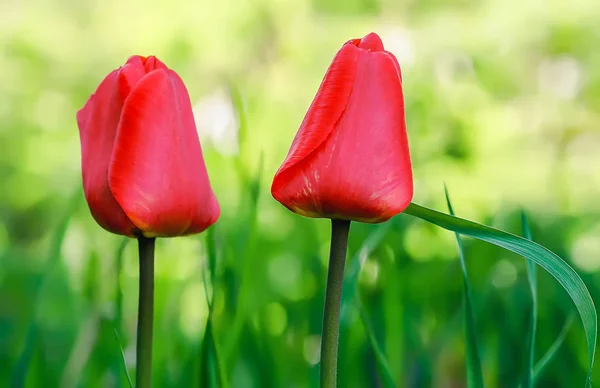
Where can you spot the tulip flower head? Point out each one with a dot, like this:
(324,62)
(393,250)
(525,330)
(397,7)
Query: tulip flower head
(350,158)
(142,164)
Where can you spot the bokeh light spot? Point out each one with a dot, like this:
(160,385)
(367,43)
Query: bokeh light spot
(504,274)
(276,318)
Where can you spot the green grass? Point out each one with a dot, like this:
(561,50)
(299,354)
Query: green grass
(267,360)
(245,343)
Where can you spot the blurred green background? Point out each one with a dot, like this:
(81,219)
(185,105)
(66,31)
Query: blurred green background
(503,104)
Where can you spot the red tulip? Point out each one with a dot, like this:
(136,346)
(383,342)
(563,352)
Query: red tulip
(142,164)
(350,158)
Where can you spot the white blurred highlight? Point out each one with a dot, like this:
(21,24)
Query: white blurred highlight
(560,77)
(586,250)
(217,122)
(398,42)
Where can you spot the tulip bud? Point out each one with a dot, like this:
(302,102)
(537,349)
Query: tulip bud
(142,164)
(350,158)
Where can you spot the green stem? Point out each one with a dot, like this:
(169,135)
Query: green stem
(333,296)
(145,313)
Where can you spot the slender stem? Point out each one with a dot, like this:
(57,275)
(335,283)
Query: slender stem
(333,297)
(145,313)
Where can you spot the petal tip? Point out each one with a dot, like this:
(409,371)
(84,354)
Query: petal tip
(135,60)
(148,63)
(372,42)
(82,115)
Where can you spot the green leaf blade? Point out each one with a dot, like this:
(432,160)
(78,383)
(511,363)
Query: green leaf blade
(355,264)
(553,349)
(123,359)
(212,373)
(559,269)
(351,299)
(473,361)
(25,358)
(528,372)
(382,363)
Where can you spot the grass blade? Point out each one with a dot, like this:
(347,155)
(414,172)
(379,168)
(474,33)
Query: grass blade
(350,296)
(118,289)
(382,363)
(355,264)
(22,365)
(248,243)
(211,369)
(473,362)
(558,268)
(243,124)
(123,360)
(118,320)
(528,374)
(553,349)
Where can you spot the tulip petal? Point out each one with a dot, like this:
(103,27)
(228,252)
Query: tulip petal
(129,75)
(157,173)
(362,171)
(147,64)
(396,64)
(372,42)
(97,122)
(325,110)
(152,63)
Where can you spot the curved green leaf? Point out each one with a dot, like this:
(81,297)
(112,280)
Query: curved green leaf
(557,267)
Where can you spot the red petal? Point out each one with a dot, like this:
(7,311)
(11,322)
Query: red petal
(129,75)
(389,54)
(97,122)
(147,64)
(84,113)
(157,173)
(372,42)
(362,171)
(153,63)
(324,112)
(136,60)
